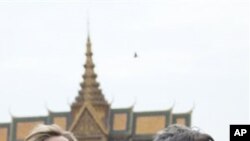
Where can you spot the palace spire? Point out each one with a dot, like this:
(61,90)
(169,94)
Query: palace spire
(90,91)
(90,99)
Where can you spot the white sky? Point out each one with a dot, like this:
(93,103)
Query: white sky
(190,51)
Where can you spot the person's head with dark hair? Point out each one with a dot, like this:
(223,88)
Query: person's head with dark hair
(180,133)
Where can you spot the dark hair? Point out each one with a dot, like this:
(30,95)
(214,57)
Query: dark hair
(181,133)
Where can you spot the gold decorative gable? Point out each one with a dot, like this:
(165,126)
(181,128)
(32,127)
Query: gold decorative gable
(86,126)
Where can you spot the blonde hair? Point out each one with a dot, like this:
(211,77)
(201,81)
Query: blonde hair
(43,132)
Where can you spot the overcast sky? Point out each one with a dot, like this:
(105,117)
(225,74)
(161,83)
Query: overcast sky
(192,54)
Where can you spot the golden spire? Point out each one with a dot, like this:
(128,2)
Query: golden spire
(90,90)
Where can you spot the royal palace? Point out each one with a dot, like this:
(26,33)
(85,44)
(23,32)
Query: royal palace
(91,117)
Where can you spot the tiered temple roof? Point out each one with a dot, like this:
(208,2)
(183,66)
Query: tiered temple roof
(91,117)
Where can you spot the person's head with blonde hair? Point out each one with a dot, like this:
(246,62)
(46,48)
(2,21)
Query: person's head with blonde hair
(50,133)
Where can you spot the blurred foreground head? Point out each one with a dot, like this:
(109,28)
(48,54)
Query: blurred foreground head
(181,133)
(49,133)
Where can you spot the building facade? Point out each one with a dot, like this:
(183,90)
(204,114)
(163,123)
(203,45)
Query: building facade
(92,119)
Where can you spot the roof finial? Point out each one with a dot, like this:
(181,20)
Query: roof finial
(88,27)
(10,112)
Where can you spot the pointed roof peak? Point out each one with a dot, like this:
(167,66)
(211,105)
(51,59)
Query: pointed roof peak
(90,90)
(88,29)
(88,39)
